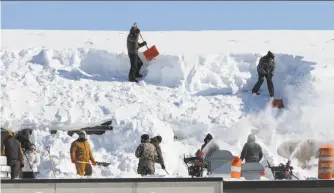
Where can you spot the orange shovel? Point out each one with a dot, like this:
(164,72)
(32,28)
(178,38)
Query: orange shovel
(278,103)
(150,53)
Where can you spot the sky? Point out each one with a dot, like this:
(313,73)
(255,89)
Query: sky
(167,15)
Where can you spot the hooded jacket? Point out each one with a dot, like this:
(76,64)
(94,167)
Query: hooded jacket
(81,151)
(210,149)
(252,151)
(32,161)
(132,42)
(23,137)
(266,64)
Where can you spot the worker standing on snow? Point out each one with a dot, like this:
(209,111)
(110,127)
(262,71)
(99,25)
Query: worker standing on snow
(209,150)
(32,161)
(156,142)
(133,46)
(81,154)
(252,151)
(11,148)
(266,69)
(147,154)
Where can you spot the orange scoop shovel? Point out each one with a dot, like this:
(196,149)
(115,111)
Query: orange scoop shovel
(150,53)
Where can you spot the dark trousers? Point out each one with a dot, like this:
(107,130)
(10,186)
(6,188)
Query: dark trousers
(15,168)
(136,65)
(259,82)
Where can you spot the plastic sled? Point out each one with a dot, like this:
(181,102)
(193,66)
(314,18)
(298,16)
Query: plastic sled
(151,53)
(278,103)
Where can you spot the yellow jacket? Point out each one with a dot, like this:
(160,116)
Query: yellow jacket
(81,151)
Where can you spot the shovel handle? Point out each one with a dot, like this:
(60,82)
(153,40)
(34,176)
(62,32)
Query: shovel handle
(143,39)
(166,171)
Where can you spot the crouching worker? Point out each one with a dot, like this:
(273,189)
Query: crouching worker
(252,151)
(31,162)
(156,142)
(11,148)
(81,154)
(147,154)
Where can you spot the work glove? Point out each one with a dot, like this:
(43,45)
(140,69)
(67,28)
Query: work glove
(144,43)
(163,166)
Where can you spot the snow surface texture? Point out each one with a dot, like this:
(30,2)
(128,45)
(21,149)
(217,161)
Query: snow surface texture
(196,86)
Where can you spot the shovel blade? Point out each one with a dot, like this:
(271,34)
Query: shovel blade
(151,53)
(278,103)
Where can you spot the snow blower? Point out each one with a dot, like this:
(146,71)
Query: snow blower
(282,171)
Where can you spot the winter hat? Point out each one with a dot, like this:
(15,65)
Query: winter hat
(134,25)
(32,146)
(83,133)
(208,138)
(270,54)
(145,137)
(159,138)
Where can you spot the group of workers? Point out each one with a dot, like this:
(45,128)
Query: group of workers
(23,155)
(149,152)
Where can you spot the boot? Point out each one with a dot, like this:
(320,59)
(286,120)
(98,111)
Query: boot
(132,80)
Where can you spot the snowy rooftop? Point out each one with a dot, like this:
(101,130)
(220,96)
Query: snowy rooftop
(197,85)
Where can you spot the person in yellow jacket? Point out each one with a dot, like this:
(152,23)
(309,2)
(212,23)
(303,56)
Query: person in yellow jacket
(81,154)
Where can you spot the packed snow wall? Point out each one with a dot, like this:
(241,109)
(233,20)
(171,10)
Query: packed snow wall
(184,96)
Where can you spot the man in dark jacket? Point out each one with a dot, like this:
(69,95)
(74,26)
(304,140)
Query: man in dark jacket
(252,151)
(23,137)
(133,46)
(11,148)
(156,142)
(266,69)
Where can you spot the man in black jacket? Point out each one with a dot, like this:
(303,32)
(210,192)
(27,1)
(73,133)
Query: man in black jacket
(252,151)
(23,137)
(11,148)
(133,46)
(266,69)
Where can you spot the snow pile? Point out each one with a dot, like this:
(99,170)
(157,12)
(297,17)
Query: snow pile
(183,97)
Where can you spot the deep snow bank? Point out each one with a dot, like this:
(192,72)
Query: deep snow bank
(189,92)
(207,74)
